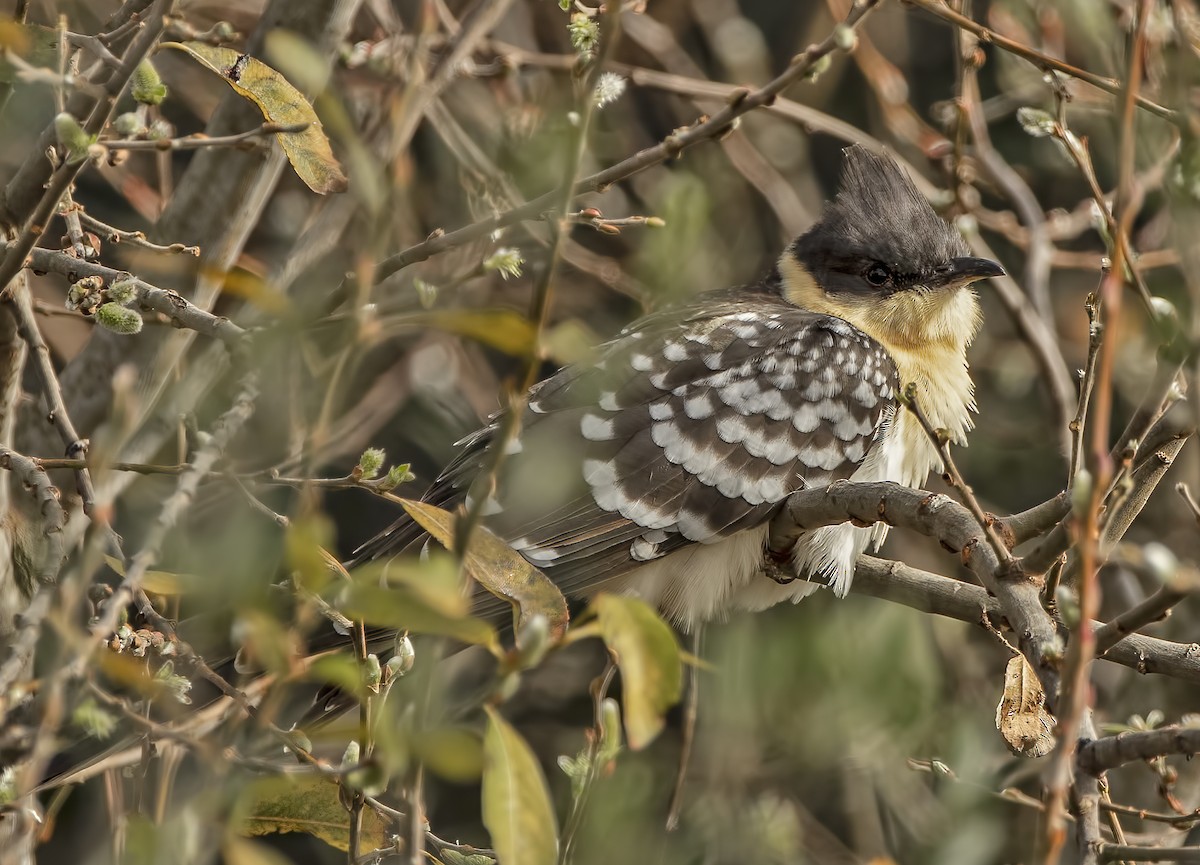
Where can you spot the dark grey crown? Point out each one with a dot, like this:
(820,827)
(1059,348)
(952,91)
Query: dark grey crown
(877,216)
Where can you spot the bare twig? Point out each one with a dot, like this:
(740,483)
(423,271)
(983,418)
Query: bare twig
(744,100)
(199,140)
(1042,61)
(1154,609)
(953,476)
(942,596)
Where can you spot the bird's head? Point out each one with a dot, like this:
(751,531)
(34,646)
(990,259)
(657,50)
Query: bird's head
(882,259)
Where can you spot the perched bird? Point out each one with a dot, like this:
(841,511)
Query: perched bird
(657,469)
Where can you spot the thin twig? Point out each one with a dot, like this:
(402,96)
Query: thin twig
(1043,61)
(199,139)
(1095,332)
(1082,646)
(953,476)
(673,145)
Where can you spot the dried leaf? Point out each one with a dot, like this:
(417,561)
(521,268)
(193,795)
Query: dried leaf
(310,805)
(649,659)
(1021,717)
(499,569)
(516,803)
(280,102)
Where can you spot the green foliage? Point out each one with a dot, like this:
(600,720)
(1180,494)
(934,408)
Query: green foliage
(648,656)
(119,319)
(516,803)
(146,86)
(72,138)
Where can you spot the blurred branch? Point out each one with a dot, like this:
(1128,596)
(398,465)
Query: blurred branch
(1038,250)
(1154,609)
(36,577)
(1081,650)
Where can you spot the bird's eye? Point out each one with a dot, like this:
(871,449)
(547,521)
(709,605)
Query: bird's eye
(877,274)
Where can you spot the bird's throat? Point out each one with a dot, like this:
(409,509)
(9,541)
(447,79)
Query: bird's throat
(926,333)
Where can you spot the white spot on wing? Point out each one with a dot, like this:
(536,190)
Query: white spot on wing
(596,428)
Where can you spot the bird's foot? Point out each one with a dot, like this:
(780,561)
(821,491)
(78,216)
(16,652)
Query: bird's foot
(777,566)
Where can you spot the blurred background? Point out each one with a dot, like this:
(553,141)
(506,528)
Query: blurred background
(830,732)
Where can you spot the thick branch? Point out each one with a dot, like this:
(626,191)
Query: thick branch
(942,596)
(1112,751)
(956,529)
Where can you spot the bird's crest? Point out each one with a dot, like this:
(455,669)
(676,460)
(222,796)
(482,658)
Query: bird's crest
(879,213)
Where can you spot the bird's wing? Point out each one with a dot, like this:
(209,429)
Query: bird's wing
(688,429)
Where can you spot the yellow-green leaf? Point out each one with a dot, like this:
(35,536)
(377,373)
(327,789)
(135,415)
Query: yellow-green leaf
(308,149)
(403,608)
(451,752)
(649,659)
(340,669)
(435,580)
(157,582)
(242,851)
(498,568)
(307,804)
(503,329)
(516,803)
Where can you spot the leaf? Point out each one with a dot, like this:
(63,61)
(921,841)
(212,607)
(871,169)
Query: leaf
(649,659)
(307,804)
(339,669)
(516,802)
(450,752)
(240,851)
(498,568)
(1021,716)
(404,609)
(158,582)
(503,329)
(308,150)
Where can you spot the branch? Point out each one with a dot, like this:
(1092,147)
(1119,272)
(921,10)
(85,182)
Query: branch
(957,529)
(1129,853)
(173,305)
(1044,62)
(743,101)
(1099,756)
(942,596)
(36,578)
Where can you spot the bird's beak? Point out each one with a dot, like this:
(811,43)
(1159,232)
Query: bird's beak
(966,270)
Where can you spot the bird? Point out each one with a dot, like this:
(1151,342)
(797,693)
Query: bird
(655,469)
